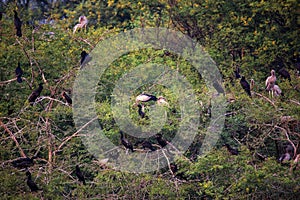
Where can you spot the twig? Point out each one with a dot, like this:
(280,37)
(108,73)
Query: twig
(74,134)
(13,138)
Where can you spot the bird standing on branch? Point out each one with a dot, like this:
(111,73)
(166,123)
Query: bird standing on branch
(35,94)
(83,21)
(19,73)
(66,98)
(284,73)
(33,187)
(18,24)
(149,97)
(23,162)
(162,142)
(245,85)
(126,143)
(85,58)
(79,175)
(270,81)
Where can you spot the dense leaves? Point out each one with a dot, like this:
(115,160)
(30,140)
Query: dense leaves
(255,36)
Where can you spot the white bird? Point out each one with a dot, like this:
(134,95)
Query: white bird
(82,23)
(270,81)
(285,157)
(276,90)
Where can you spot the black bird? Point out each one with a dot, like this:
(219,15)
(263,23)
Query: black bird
(218,87)
(162,142)
(237,73)
(245,85)
(231,150)
(85,58)
(33,187)
(19,73)
(126,143)
(23,162)
(35,94)
(284,73)
(148,145)
(79,175)
(66,98)
(141,110)
(18,24)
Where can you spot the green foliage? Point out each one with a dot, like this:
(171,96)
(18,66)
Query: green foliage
(254,35)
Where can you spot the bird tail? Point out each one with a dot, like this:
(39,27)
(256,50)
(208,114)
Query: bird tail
(19,79)
(19,32)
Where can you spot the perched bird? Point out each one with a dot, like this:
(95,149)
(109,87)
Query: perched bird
(284,73)
(18,24)
(66,98)
(252,83)
(245,85)
(162,142)
(173,168)
(270,81)
(79,175)
(148,145)
(85,58)
(218,87)
(285,158)
(231,150)
(35,94)
(237,73)
(83,21)
(277,91)
(125,142)
(141,110)
(33,187)
(149,97)
(23,162)
(19,73)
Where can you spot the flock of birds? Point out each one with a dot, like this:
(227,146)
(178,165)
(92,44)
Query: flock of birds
(270,86)
(25,162)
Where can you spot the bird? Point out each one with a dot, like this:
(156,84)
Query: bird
(237,73)
(284,158)
(162,142)
(231,150)
(245,85)
(126,143)
(32,185)
(148,97)
(85,58)
(270,81)
(18,24)
(83,21)
(19,73)
(23,162)
(284,73)
(35,94)
(66,98)
(148,145)
(277,91)
(252,83)
(141,110)
(79,175)
(218,87)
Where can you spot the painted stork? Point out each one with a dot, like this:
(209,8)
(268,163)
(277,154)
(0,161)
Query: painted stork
(83,21)
(231,150)
(162,142)
(284,73)
(67,98)
(270,81)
